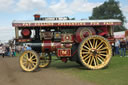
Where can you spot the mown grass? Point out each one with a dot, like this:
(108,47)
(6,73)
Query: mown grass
(115,74)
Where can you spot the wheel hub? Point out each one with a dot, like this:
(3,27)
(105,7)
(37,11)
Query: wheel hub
(94,52)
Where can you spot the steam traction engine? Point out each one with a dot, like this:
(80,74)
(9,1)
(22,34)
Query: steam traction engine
(87,42)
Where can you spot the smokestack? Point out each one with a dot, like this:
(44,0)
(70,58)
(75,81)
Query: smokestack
(37,17)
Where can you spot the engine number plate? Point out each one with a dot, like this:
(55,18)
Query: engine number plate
(64,52)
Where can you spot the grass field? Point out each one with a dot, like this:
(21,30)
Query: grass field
(115,74)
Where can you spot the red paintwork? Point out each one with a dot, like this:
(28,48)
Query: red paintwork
(26,32)
(64,24)
(64,52)
(66,38)
(36,16)
(104,31)
(64,59)
(111,40)
(53,46)
(23,40)
(81,34)
(47,45)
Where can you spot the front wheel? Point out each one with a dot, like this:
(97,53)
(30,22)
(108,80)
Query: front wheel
(29,61)
(95,52)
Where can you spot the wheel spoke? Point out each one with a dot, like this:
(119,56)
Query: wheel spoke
(85,56)
(31,57)
(33,64)
(28,65)
(103,48)
(93,43)
(90,44)
(102,52)
(100,46)
(27,56)
(86,47)
(89,59)
(97,60)
(24,59)
(24,62)
(92,60)
(84,52)
(101,57)
(96,44)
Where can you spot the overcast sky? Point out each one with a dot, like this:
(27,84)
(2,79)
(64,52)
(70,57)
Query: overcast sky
(25,9)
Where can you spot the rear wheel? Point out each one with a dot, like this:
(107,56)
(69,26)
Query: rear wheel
(29,61)
(45,60)
(95,52)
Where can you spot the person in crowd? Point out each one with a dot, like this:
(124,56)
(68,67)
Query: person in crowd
(28,47)
(123,47)
(23,48)
(126,43)
(117,45)
(2,50)
(7,51)
(13,51)
(113,49)
(10,51)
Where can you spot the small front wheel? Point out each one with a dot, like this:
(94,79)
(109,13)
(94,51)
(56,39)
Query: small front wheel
(29,61)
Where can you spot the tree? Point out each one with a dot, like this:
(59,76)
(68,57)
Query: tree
(109,10)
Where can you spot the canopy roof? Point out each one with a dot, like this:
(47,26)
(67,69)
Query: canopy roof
(42,23)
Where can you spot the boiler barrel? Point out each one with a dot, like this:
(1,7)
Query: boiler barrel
(48,46)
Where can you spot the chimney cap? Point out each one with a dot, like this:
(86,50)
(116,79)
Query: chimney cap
(37,15)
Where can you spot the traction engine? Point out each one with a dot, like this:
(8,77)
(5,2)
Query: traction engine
(87,42)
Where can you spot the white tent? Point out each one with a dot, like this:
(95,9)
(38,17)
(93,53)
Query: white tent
(119,34)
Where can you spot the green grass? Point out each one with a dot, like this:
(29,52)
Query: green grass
(115,74)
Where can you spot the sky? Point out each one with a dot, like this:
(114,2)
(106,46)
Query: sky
(25,9)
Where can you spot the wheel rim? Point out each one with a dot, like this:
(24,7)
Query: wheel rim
(45,60)
(29,61)
(95,52)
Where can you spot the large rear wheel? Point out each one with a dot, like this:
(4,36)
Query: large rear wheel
(29,61)
(95,52)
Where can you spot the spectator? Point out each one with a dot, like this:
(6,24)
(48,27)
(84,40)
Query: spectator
(7,51)
(28,47)
(123,47)
(13,51)
(23,48)
(113,49)
(10,51)
(2,50)
(117,44)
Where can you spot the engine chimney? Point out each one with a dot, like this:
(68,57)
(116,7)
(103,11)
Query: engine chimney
(37,17)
